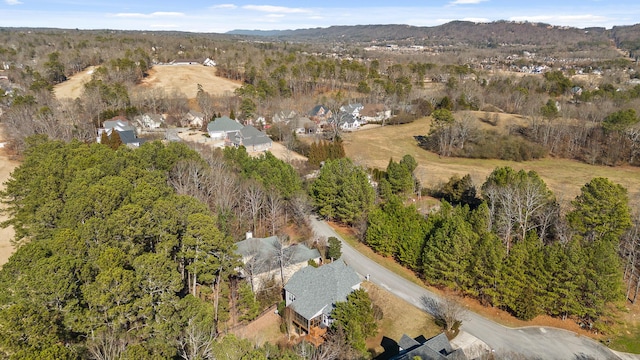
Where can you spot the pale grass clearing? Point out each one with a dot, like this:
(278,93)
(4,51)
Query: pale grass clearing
(374,148)
(183,78)
(74,86)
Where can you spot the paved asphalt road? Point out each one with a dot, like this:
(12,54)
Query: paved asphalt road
(533,342)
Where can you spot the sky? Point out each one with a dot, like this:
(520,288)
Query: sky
(220,17)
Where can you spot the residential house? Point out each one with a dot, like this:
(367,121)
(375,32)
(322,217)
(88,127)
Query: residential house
(283,116)
(193,119)
(303,125)
(221,127)
(118,123)
(320,114)
(262,258)
(209,62)
(311,293)
(129,138)
(251,138)
(353,109)
(186,62)
(374,112)
(436,348)
(123,127)
(149,121)
(345,121)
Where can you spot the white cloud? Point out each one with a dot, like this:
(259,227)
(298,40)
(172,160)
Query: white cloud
(275,15)
(275,9)
(13,2)
(223,6)
(466,2)
(148,16)
(476,20)
(571,20)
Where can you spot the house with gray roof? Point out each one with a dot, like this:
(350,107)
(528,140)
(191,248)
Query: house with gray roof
(221,127)
(251,138)
(263,257)
(320,114)
(353,109)
(345,121)
(129,138)
(123,127)
(303,125)
(436,348)
(311,293)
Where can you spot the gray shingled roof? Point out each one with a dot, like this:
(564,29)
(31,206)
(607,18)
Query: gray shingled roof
(263,251)
(250,136)
(225,124)
(118,125)
(129,137)
(436,348)
(317,289)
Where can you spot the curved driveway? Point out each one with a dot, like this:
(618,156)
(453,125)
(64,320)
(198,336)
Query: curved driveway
(533,342)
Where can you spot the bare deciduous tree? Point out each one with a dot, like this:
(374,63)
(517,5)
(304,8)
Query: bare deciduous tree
(196,341)
(107,345)
(448,312)
(253,196)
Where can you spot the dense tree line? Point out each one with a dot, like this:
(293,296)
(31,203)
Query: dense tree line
(325,150)
(123,254)
(515,250)
(110,258)
(342,192)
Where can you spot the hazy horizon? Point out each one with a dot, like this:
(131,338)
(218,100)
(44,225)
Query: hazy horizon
(211,17)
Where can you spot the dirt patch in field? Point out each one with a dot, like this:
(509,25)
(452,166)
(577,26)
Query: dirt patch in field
(6,167)
(74,86)
(374,147)
(185,79)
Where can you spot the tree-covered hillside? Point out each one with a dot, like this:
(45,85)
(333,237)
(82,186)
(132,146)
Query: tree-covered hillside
(112,262)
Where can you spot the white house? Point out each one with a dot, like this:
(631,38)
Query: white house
(149,121)
(353,109)
(221,127)
(193,119)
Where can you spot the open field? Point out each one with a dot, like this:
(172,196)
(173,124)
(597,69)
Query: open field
(374,147)
(74,86)
(183,78)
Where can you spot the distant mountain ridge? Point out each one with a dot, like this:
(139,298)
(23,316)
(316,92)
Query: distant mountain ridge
(457,32)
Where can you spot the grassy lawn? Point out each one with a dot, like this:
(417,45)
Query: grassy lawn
(627,337)
(373,148)
(399,317)
(628,343)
